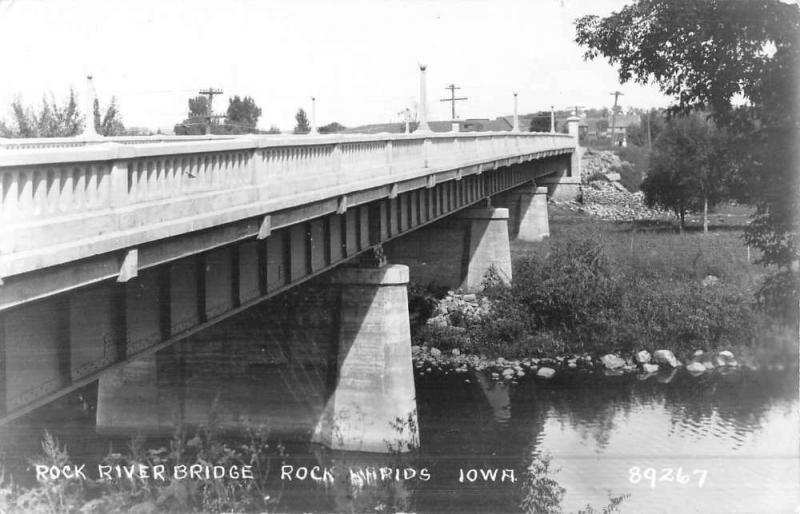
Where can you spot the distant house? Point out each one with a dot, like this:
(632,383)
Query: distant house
(600,128)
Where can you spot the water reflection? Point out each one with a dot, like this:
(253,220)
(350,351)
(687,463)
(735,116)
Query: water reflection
(742,429)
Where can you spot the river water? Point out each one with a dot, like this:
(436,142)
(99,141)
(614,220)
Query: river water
(669,443)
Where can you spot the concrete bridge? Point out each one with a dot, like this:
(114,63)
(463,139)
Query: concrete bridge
(113,249)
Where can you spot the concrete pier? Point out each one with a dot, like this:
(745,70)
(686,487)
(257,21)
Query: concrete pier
(458,251)
(488,246)
(372,407)
(527,208)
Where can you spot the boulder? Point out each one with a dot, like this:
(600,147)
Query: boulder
(710,280)
(435,352)
(545,372)
(611,361)
(726,358)
(643,357)
(650,368)
(666,357)
(695,368)
(697,354)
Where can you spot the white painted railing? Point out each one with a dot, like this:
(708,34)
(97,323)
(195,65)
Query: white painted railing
(54,195)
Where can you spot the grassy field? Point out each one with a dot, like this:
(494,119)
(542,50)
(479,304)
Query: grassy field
(655,249)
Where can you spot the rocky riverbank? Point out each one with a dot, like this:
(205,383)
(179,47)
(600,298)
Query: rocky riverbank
(431,360)
(453,311)
(604,196)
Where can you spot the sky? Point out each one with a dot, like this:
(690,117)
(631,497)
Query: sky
(359,58)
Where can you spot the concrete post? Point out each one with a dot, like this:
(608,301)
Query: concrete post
(488,246)
(89,131)
(515,128)
(552,119)
(314,131)
(423,127)
(533,223)
(375,383)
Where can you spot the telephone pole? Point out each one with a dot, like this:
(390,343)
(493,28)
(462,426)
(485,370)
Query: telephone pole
(453,99)
(210,92)
(616,94)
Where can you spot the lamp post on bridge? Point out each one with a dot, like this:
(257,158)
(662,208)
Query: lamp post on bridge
(552,119)
(313,130)
(422,126)
(89,131)
(515,128)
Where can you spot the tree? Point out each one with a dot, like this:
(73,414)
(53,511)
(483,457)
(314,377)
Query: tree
(331,128)
(111,122)
(685,173)
(302,126)
(242,116)
(540,122)
(705,54)
(198,106)
(273,129)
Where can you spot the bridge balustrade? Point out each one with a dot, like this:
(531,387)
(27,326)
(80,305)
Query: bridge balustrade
(55,195)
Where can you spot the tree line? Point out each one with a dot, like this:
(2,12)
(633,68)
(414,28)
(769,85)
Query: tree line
(54,119)
(65,119)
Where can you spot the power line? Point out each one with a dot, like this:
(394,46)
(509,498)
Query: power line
(453,99)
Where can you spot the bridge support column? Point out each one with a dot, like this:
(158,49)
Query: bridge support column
(457,251)
(527,207)
(131,397)
(373,405)
(487,246)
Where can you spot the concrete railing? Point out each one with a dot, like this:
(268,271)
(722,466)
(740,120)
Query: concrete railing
(64,199)
(79,142)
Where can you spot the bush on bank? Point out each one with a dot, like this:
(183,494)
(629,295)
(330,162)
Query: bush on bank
(572,299)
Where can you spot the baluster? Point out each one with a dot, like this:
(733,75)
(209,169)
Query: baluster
(92,185)
(53,190)
(10,193)
(80,187)
(39,191)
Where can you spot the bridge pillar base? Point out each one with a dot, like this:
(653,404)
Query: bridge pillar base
(373,405)
(565,189)
(130,398)
(533,223)
(527,206)
(488,246)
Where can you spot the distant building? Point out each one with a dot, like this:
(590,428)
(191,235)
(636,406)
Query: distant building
(468,125)
(600,128)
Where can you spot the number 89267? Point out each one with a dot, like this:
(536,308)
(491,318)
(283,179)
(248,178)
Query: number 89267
(655,476)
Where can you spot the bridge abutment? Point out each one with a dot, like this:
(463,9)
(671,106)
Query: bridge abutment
(372,407)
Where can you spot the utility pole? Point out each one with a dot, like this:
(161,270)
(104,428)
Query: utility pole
(616,94)
(453,99)
(210,92)
(649,137)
